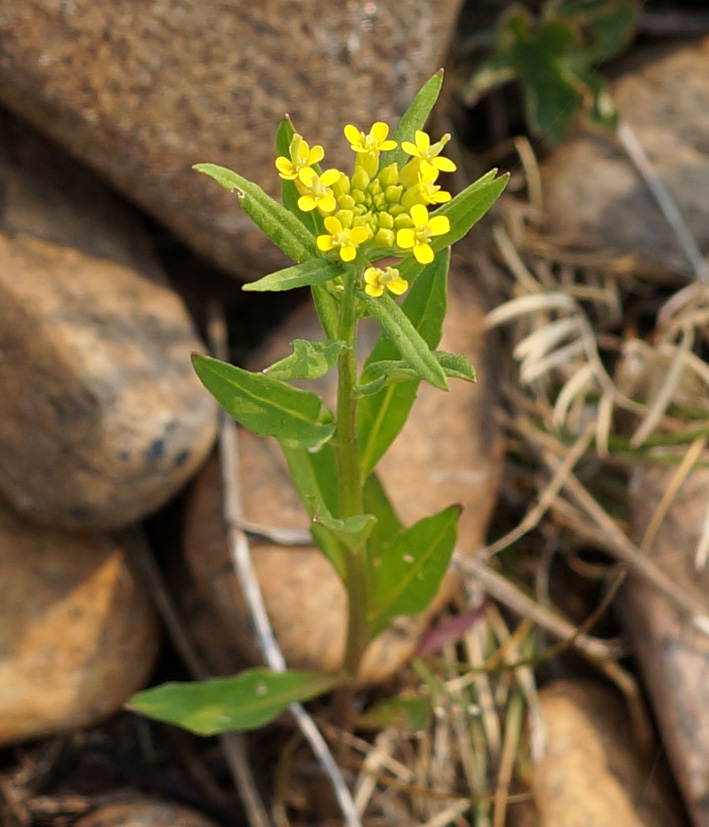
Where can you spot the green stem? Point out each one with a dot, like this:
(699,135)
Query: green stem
(349,476)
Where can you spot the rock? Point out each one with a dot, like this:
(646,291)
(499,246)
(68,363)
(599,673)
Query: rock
(143,813)
(593,194)
(590,773)
(450,451)
(143,93)
(77,633)
(102,416)
(673,654)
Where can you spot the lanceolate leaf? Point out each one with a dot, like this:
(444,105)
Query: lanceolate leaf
(352,531)
(245,701)
(382,416)
(469,206)
(316,271)
(314,474)
(396,324)
(388,525)
(412,567)
(391,372)
(279,224)
(414,118)
(309,360)
(266,406)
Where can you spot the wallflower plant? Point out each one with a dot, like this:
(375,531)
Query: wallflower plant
(358,241)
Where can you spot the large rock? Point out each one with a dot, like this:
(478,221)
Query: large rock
(77,632)
(144,813)
(450,451)
(101,417)
(593,194)
(142,91)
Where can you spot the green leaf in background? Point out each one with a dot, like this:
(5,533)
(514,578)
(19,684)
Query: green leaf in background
(351,531)
(314,474)
(381,417)
(245,701)
(279,224)
(326,308)
(388,525)
(414,118)
(309,360)
(468,207)
(396,324)
(408,714)
(412,568)
(266,406)
(316,271)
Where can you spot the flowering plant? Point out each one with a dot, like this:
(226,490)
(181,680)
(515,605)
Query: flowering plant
(358,241)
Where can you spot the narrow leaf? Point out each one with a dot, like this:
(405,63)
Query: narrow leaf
(414,118)
(391,372)
(245,701)
(396,324)
(388,525)
(309,360)
(381,417)
(266,406)
(279,224)
(326,308)
(352,531)
(316,271)
(412,568)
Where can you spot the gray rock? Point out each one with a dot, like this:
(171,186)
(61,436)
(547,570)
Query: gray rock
(142,92)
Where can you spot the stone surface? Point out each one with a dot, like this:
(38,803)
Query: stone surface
(77,633)
(673,654)
(593,194)
(450,451)
(143,813)
(101,418)
(144,91)
(590,772)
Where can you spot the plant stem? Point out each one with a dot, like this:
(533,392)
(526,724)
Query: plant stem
(349,476)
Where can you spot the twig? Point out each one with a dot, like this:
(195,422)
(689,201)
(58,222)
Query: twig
(243,565)
(636,153)
(233,743)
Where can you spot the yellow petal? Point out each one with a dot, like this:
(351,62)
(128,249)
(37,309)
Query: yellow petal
(379,131)
(327,204)
(398,287)
(324,242)
(423,142)
(374,290)
(405,238)
(307,176)
(306,203)
(410,148)
(419,215)
(371,275)
(444,164)
(332,225)
(330,177)
(353,135)
(439,224)
(358,235)
(423,253)
(316,154)
(348,253)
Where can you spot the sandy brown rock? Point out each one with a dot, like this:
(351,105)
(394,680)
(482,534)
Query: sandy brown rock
(144,91)
(144,814)
(673,654)
(593,194)
(449,451)
(77,633)
(590,772)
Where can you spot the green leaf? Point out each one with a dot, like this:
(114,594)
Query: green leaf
(392,372)
(316,271)
(388,525)
(326,308)
(309,360)
(245,701)
(381,417)
(414,118)
(266,406)
(352,531)
(396,324)
(408,714)
(279,224)
(314,474)
(412,568)
(468,207)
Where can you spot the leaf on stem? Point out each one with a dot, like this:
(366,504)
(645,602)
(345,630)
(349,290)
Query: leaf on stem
(412,567)
(245,701)
(392,372)
(309,360)
(266,406)
(316,271)
(279,224)
(351,531)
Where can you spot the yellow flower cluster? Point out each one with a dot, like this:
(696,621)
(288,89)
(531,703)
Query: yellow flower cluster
(377,211)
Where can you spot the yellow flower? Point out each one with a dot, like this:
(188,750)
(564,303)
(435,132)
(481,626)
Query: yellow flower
(315,190)
(425,191)
(342,239)
(301,156)
(428,153)
(389,278)
(375,141)
(419,236)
